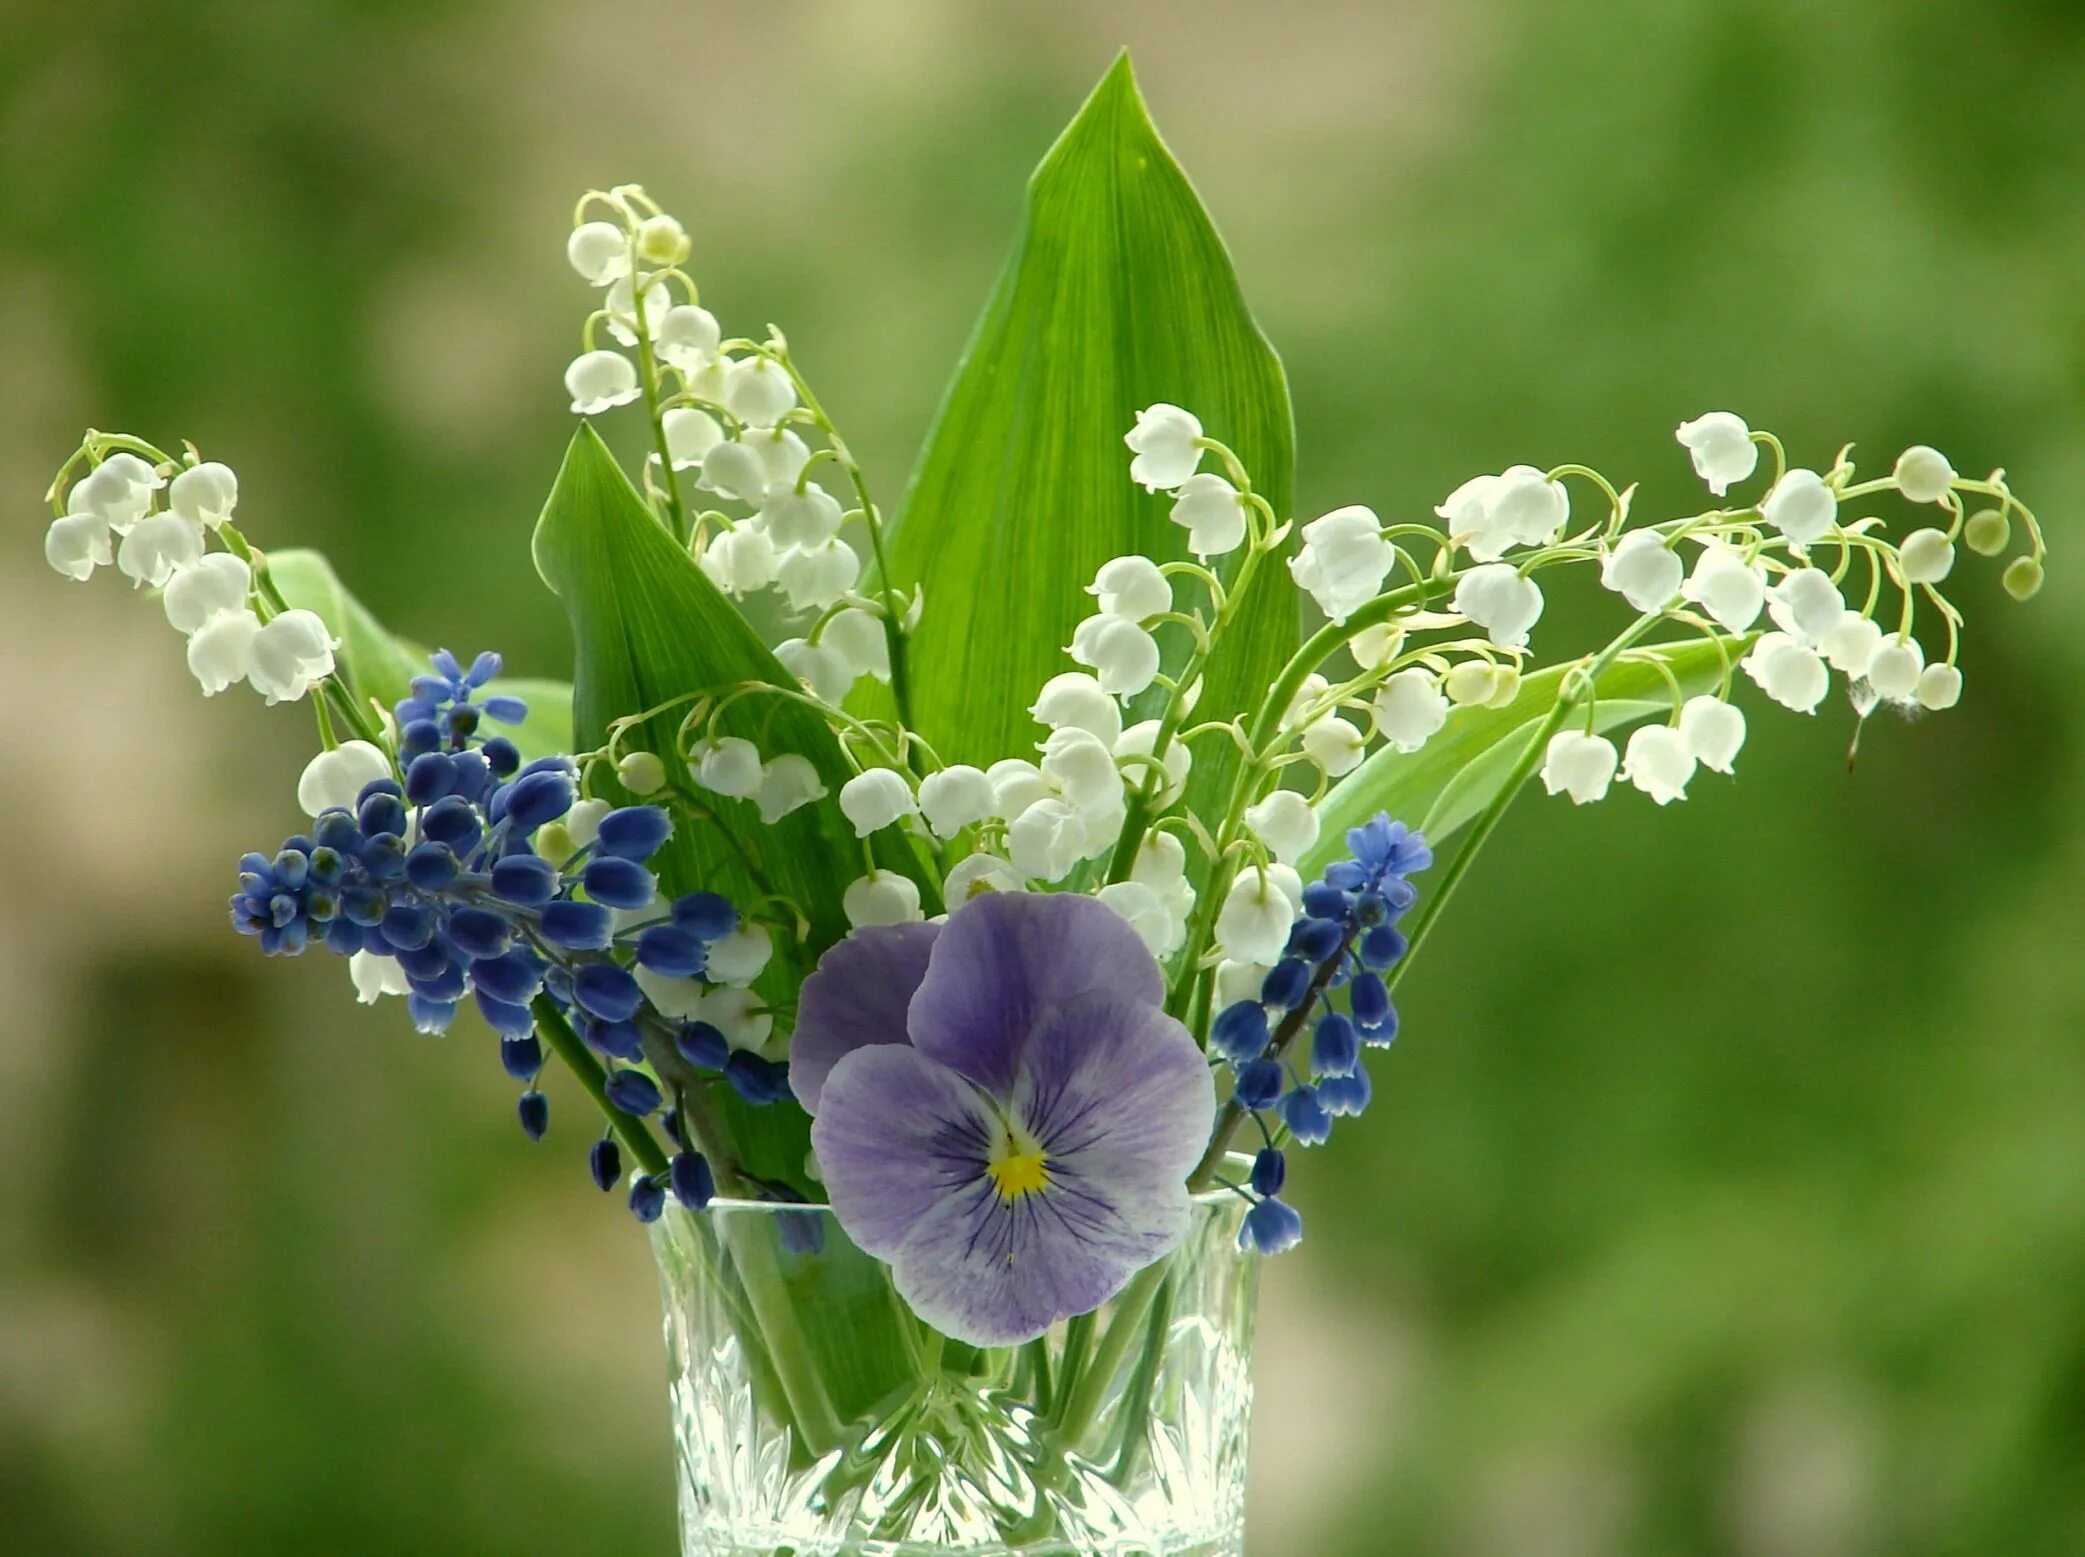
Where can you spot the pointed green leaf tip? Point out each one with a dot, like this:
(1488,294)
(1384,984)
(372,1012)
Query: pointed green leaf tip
(1118,294)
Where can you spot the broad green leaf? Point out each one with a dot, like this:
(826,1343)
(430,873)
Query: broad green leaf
(1119,293)
(381,665)
(1443,785)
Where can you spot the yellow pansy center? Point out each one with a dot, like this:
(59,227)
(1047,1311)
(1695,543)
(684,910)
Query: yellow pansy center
(1018,1166)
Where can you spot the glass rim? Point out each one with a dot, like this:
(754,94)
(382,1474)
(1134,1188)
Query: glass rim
(1239,1162)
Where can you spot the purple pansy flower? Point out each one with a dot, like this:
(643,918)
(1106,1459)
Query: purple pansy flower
(1004,1112)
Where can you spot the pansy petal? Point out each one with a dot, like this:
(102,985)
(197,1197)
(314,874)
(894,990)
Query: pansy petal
(899,1135)
(856,998)
(1004,958)
(1119,1091)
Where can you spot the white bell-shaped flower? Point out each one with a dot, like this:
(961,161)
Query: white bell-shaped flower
(157,545)
(1236,981)
(1728,588)
(77,544)
(1895,670)
(1124,657)
(1046,840)
(118,491)
(734,469)
(729,765)
(1410,709)
(1286,823)
(814,577)
(1927,556)
(1343,562)
(875,799)
(1161,861)
(781,451)
(1785,671)
(741,956)
(1165,443)
(205,493)
(1498,599)
(1923,474)
(739,1014)
(1334,745)
(1659,763)
(690,434)
(1579,764)
(1132,587)
(787,783)
(806,519)
(1081,769)
(1802,507)
(598,381)
(1146,914)
(823,670)
(954,798)
(1103,828)
(1850,644)
(1303,708)
(375,977)
(291,652)
(1213,512)
(583,821)
(1713,730)
(621,303)
(1075,698)
(334,779)
(860,639)
(220,652)
(979,873)
(1806,605)
(687,338)
(1939,686)
(599,251)
(1137,741)
(1526,506)
(758,391)
(661,240)
(1376,646)
(1254,923)
(214,582)
(1643,570)
(741,560)
(1016,785)
(1722,449)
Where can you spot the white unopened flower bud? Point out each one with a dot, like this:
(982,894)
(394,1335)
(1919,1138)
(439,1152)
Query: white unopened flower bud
(1728,588)
(1643,570)
(1146,914)
(1075,698)
(1722,449)
(729,765)
(599,251)
(1374,647)
(156,546)
(741,560)
(77,544)
(980,873)
(1927,556)
(824,671)
(1081,768)
(1806,605)
(1164,443)
(333,780)
(807,519)
(1410,709)
(1785,671)
(1713,730)
(600,380)
(687,338)
(1802,507)
(814,577)
(1851,644)
(1988,532)
(881,897)
(1475,683)
(1046,840)
(220,652)
(1016,785)
(641,772)
(1894,671)
(214,582)
(1939,686)
(1578,764)
(1923,474)
(205,494)
(583,820)
(1499,600)
(289,654)
(1254,923)
(662,241)
(1334,745)
(741,956)
(2022,578)
(1132,587)
(1124,657)
(1343,562)
(1213,512)
(1286,823)
(1137,741)
(787,783)
(875,799)
(690,434)
(955,798)
(860,639)
(758,391)
(1659,763)
(735,470)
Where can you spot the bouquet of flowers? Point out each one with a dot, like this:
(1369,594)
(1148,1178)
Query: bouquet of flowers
(950,982)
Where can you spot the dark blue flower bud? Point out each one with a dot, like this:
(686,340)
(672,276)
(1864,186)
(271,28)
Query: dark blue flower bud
(1322,900)
(705,915)
(607,991)
(408,926)
(417,738)
(1287,984)
(1370,1000)
(430,866)
(344,937)
(501,755)
(702,1046)
(375,787)
(670,1122)
(381,814)
(514,976)
(1316,939)
(758,1081)
(452,820)
(577,926)
(1382,946)
(1259,1084)
(633,1092)
(619,883)
(292,866)
(459,723)
(473,778)
(634,832)
(364,905)
(1346,1096)
(693,1184)
(430,1016)
(647,1200)
(1335,1046)
(506,708)
(444,983)
(1306,1117)
(605,1163)
(535,1114)
(526,879)
(1270,1170)
(383,857)
(429,776)
(523,1057)
(1271,1227)
(327,867)
(536,798)
(484,668)
(422,962)
(668,949)
(479,932)
(510,1021)
(617,1040)
(1384,1033)
(1240,1031)
(1346,875)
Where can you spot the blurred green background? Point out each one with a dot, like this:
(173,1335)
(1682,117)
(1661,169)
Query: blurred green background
(1727,1191)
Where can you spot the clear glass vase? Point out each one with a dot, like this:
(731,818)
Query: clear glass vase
(814,1416)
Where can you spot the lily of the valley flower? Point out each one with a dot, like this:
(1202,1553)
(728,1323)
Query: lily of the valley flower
(1643,570)
(1713,730)
(1344,560)
(1894,671)
(1490,515)
(1579,764)
(1075,698)
(1258,911)
(1659,762)
(879,898)
(954,798)
(758,392)
(1213,512)
(1410,709)
(876,799)
(1806,604)
(1727,587)
(1131,587)
(1286,823)
(1927,556)
(1802,507)
(1785,671)
(1923,474)
(1123,656)
(334,780)
(1498,599)
(1722,449)
(1166,444)
(291,652)
(599,381)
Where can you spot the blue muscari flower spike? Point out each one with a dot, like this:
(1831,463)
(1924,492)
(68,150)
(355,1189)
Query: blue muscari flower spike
(1346,937)
(471,910)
